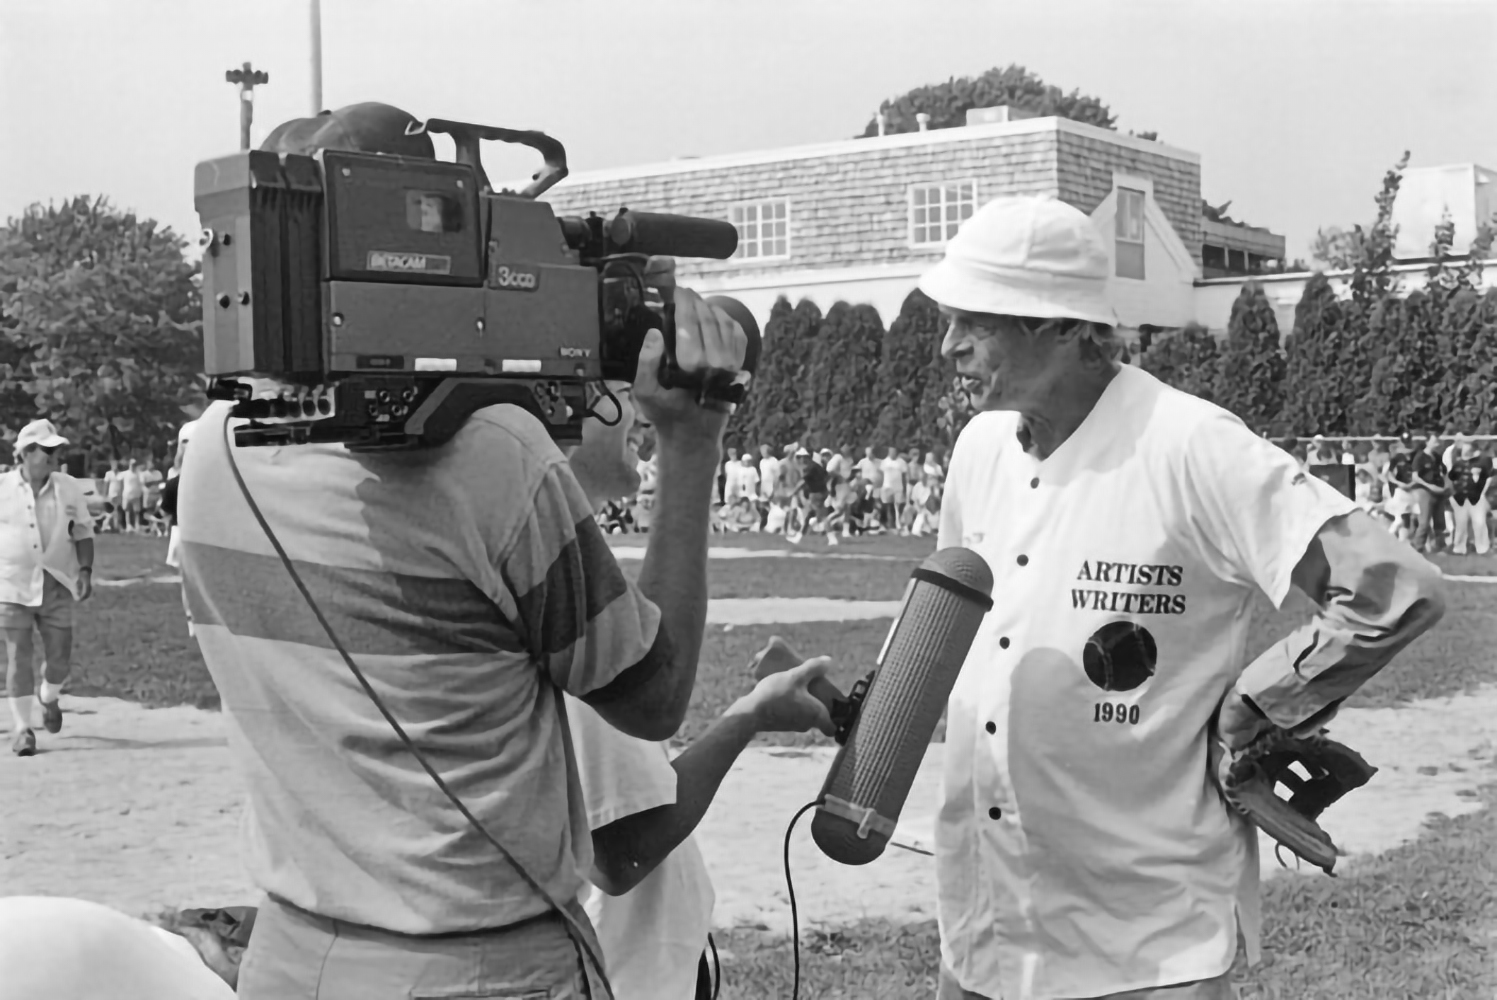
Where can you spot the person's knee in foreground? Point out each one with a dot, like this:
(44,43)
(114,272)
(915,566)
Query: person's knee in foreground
(650,896)
(473,587)
(46,566)
(1131,527)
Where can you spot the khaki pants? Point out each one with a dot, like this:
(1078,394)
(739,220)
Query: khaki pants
(1220,988)
(296,955)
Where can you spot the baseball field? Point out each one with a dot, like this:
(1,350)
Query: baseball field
(135,803)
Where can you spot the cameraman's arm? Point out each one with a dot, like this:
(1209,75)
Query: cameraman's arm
(674,577)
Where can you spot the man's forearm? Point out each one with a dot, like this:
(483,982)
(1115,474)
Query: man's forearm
(85,552)
(629,849)
(1376,595)
(674,575)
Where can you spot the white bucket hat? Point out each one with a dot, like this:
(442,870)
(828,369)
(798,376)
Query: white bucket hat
(1025,256)
(39,432)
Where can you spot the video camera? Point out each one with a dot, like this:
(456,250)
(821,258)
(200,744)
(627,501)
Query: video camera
(386,296)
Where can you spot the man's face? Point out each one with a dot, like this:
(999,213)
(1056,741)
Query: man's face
(606,462)
(1432,445)
(39,462)
(765,451)
(1003,366)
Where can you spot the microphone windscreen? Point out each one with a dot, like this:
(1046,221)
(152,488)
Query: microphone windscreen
(871,776)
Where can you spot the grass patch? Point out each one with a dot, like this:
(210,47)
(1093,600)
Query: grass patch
(1413,924)
(132,641)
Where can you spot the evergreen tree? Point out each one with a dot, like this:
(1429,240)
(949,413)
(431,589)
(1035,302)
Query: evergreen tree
(1250,375)
(1420,392)
(772,390)
(1379,410)
(1186,359)
(1460,330)
(1313,399)
(912,375)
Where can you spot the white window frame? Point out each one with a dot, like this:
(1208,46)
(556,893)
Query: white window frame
(943,187)
(737,213)
(1138,185)
(1143,225)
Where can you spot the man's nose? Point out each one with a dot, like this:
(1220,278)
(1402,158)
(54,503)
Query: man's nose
(950,342)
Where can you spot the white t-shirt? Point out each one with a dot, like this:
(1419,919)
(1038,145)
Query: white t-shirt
(894,470)
(769,476)
(73,949)
(131,484)
(1082,849)
(747,482)
(653,936)
(871,469)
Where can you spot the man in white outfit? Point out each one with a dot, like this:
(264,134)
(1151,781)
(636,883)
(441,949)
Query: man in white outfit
(1083,848)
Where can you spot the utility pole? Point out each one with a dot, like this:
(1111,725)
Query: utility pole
(248,78)
(316,58)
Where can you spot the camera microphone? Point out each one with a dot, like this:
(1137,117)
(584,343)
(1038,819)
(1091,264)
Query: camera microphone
(664,235)
(869,780)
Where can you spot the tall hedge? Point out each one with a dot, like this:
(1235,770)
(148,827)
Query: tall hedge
(1313,355)
(1250,376)
(1187,359)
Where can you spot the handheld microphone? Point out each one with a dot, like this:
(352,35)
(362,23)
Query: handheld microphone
(869,780)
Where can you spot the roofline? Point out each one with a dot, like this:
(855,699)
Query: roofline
(1270,279)
(941,136)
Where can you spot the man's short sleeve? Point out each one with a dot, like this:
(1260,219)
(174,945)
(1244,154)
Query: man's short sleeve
(1254,509)
(576,612)
(620,775)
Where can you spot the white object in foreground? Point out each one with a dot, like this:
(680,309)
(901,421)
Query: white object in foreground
(72,949)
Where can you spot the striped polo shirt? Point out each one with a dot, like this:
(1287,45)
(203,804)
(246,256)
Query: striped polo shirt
(471,585)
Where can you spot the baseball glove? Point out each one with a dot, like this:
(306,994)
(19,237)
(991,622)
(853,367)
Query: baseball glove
(1253,775)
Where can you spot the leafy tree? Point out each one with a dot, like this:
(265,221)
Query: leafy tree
(948,103)
(103,318)
(1251,370)
(1186,359)
(1313,402)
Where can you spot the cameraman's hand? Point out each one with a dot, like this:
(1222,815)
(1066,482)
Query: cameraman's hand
(782,703)
(706,338)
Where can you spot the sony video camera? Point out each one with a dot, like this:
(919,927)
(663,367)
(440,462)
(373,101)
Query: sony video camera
(386,297)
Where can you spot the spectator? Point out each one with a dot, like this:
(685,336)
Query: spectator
(132,495)
(1398,476)
(1321,452)
(1377,457)
(892,493)
(932,468)
(1470,474)
(786,487)
(748,480)
(728,477)
(1430,489)
(46,567)
(812,495)
(769,476)
(114,492)
(871,470)
(1348,455)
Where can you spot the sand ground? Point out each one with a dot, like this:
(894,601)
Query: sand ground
(139,809)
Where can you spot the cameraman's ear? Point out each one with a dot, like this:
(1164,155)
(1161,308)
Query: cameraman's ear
(660,272)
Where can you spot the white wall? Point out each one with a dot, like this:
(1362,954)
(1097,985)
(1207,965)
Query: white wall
(1165,296)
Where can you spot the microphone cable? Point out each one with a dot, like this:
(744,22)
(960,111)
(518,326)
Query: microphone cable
(574,928)
(790,887)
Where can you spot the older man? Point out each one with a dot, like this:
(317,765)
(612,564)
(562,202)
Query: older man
(1082,848)
(46,564)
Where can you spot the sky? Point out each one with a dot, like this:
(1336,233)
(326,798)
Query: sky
(1296,107)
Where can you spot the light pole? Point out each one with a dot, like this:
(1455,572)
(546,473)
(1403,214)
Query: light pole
(248,78)
(316,57)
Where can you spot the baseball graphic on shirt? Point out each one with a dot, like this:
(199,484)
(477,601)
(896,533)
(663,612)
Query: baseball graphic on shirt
(1120,656)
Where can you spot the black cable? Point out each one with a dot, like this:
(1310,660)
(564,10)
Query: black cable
(574,929)
(717,966)
(790,886)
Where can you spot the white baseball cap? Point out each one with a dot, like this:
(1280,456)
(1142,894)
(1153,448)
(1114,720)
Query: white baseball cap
(39,432)
(1025,256)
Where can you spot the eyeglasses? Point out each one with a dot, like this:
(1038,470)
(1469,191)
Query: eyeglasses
(52,450)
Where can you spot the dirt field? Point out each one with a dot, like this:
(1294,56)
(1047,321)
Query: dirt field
(138,808)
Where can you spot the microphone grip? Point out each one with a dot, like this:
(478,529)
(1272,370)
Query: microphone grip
(826,692)
(661,234)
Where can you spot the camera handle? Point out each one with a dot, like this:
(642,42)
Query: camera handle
(466,136)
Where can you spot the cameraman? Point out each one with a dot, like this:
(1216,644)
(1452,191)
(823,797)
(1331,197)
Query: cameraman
(472,586)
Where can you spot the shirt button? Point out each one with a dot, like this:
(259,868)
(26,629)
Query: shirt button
(1034,483)
(995,813)
(991,728)
(1023,560)
(1003,643)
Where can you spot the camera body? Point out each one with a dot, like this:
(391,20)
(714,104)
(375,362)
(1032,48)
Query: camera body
(378,300)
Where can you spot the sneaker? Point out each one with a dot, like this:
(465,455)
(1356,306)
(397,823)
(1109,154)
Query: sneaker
(831,538)
(24,745)
(52,715)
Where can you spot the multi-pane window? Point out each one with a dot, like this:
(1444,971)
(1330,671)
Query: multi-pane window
(938,210)
(1129,233)
(763,228)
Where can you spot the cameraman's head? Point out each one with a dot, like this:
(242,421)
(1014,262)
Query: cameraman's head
(606,462)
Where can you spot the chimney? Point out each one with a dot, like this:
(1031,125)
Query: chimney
(883,122)
(923,120)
